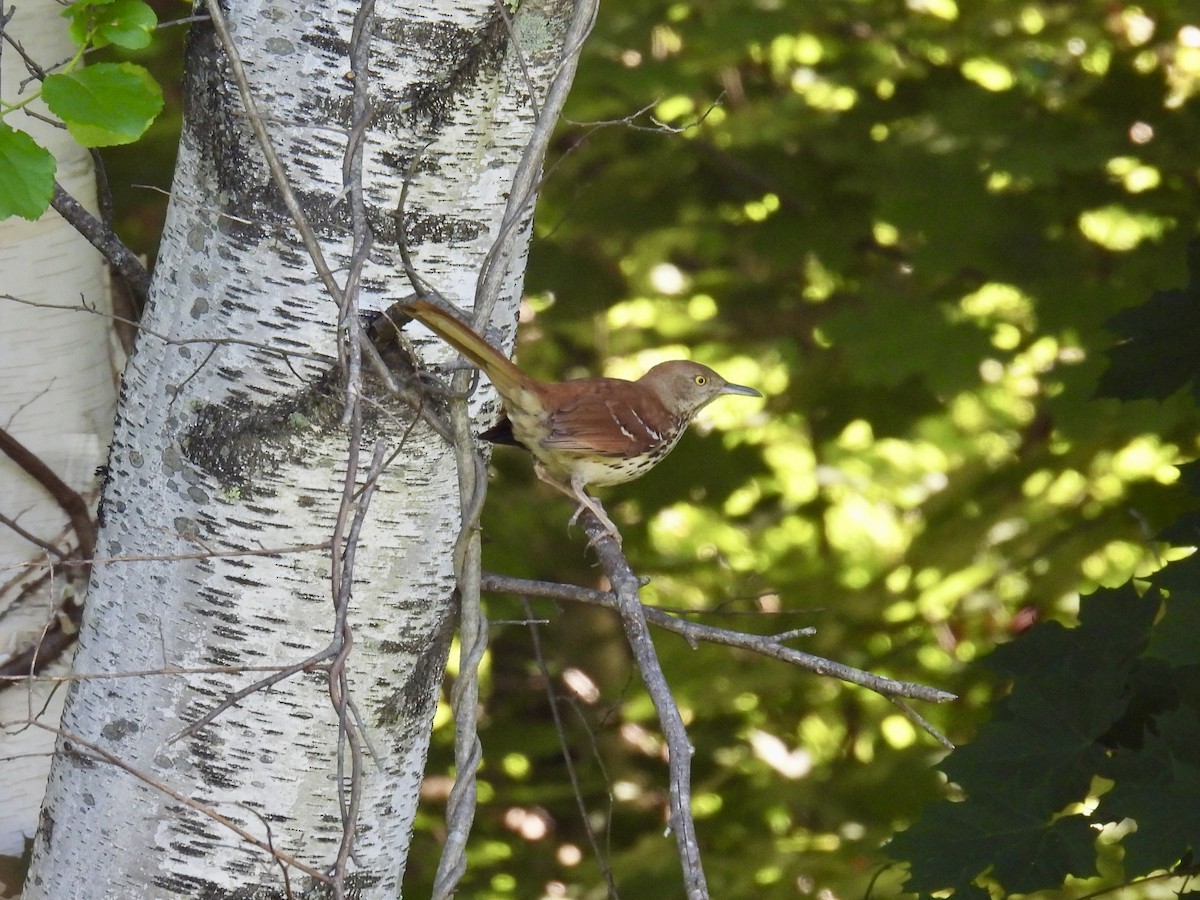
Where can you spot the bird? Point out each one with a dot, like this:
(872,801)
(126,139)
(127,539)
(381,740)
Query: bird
(585,432)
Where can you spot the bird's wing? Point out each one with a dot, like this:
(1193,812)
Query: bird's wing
(598,422)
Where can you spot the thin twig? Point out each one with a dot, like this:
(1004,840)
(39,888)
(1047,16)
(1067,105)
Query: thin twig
(552,699)
(274,165)
(187,801)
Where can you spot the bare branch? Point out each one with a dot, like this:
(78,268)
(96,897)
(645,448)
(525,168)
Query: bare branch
(695,632)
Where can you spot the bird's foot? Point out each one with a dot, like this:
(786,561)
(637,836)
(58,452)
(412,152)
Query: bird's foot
(593,506)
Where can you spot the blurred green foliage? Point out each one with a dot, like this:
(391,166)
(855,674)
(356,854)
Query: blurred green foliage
(910,225)
(914,226)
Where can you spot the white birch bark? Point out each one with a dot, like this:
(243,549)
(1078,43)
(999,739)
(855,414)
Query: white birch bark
(59,392)
(226,443)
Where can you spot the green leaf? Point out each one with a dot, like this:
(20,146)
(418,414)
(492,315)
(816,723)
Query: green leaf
(1157,786)
(26,175)
(1156,358)
(126,23)
(1041,752)
(104,104)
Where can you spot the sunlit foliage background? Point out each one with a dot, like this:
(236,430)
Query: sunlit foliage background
(907,224)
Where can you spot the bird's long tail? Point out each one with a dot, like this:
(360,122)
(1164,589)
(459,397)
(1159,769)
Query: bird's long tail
(507,378)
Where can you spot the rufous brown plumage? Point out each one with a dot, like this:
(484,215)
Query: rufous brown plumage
(586,432)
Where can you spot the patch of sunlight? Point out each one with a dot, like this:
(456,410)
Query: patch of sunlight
(685,594)
(879,132)
(638,364)
(667,278)
(1011,586)
(706,804)
(677,12)
(1031,20)
(936,602)
(685,530)
(1166,474)
(793,533)
(485,791)
(768,875)
(664,41)
(1107,487)
(1039,357)
(743,499)
(795,466)
(1137,27)
(969,413)
(934,659)
(819,282)
(989,74)
(1111,565)
(822,738)
(927,578)
(865,531)
(898,732)
(885,234)
(701,307)
(912,456)
(730,757)
(674,108)
(626,791)
(1133,174)
(746,701)
(942,9)
(640,312)
(516,765)
(879,644)
(788,50)
(1097,60)
(1142,458)
(823,95)
(1066,489)
(1005,530)
(1183,67)
(775,753)
(778,820)
(1007,337)
(503,882)
(855,577)
(898,579)
(443,715)
(996,300)
(991,371)
(856,436)
(863,749)
(998,182)
(759,210)
(1118,229)
(885,89)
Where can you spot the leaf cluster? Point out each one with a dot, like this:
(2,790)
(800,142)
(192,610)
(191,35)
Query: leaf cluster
(101,105)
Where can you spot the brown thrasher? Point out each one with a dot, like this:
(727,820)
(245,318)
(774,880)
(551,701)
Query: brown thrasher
(586,431)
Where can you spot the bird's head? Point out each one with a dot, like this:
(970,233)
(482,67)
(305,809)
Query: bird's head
(686,387)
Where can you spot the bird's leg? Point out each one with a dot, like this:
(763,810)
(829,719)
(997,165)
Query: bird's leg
(575,492)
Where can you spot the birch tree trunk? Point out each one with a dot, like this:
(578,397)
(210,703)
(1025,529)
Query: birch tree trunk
(59,372)
(227,472)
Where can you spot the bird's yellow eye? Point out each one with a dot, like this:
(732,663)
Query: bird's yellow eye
(701,380)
